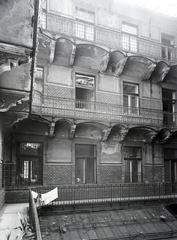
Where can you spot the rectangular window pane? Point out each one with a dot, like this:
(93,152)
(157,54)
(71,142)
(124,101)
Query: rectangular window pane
(89,32)
(39,72)
(85,15)
(85,150)
(25,169)
(80,30)
(133,44)
(84,81)
(125,42)
(130,88)
(129,28)
(132,152)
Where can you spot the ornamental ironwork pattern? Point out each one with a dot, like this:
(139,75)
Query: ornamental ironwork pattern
(111,38)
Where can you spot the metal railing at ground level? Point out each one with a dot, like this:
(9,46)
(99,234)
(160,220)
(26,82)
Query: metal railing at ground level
(33,217)
(86,194)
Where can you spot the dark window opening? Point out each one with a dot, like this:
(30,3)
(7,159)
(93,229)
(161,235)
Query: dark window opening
(85,164)
(85,91)
(132,159)
(168,99)
(167,46)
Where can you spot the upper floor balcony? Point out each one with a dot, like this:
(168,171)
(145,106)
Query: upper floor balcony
(111,38)
(99,111)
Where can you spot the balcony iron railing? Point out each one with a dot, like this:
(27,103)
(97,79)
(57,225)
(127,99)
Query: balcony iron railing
(81,109)
(85,194)
(110,38)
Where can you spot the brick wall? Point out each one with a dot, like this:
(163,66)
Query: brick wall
(2,197)
(56,174)
(109,174)
(158,174)
(17,196)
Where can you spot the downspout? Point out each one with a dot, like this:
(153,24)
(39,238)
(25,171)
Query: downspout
(151,91)
(34,52)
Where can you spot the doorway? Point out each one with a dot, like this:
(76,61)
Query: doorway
(29,163)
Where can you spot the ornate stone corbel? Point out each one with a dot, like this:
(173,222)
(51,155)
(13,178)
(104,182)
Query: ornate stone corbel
(165,136)
(52,51)
(149,71)
(153,134)
(72,130)
(10,99)
(52,128)
(122,134)
(105,133)
(71,60)
(120,66)
(104,63)
(165,70)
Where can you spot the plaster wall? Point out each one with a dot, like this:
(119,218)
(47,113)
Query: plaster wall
(17,78)
(59,75)
(16,22)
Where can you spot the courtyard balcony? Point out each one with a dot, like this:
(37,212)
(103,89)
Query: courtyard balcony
(98,111)
(110,38)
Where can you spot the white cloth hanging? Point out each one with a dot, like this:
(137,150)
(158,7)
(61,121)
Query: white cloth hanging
(49,196)
(34,194)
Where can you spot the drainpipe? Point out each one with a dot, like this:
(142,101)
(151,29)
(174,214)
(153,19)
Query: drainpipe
(151,90)
(34,53)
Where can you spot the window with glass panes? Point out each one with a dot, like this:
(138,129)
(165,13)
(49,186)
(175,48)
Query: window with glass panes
(133,160)
(85,163)
(84,27)
(131,98)
(129,37)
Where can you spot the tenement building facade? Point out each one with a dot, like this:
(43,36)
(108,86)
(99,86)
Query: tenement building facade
(102,106)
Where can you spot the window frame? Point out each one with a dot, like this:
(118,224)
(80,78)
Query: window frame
(131,42)
(129,109)
(86,24)
(84,159)
(22,157)
(129,162)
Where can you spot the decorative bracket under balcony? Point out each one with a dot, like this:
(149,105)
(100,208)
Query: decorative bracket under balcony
(120,66)
(72,130)
(9,99)
(164,136)
(10,118)
(13,56)
(106,133)
(52,128)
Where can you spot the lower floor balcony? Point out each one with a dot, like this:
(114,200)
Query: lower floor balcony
(96,111)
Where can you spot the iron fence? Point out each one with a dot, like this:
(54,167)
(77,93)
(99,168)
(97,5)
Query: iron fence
(13,180)
(85,194)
